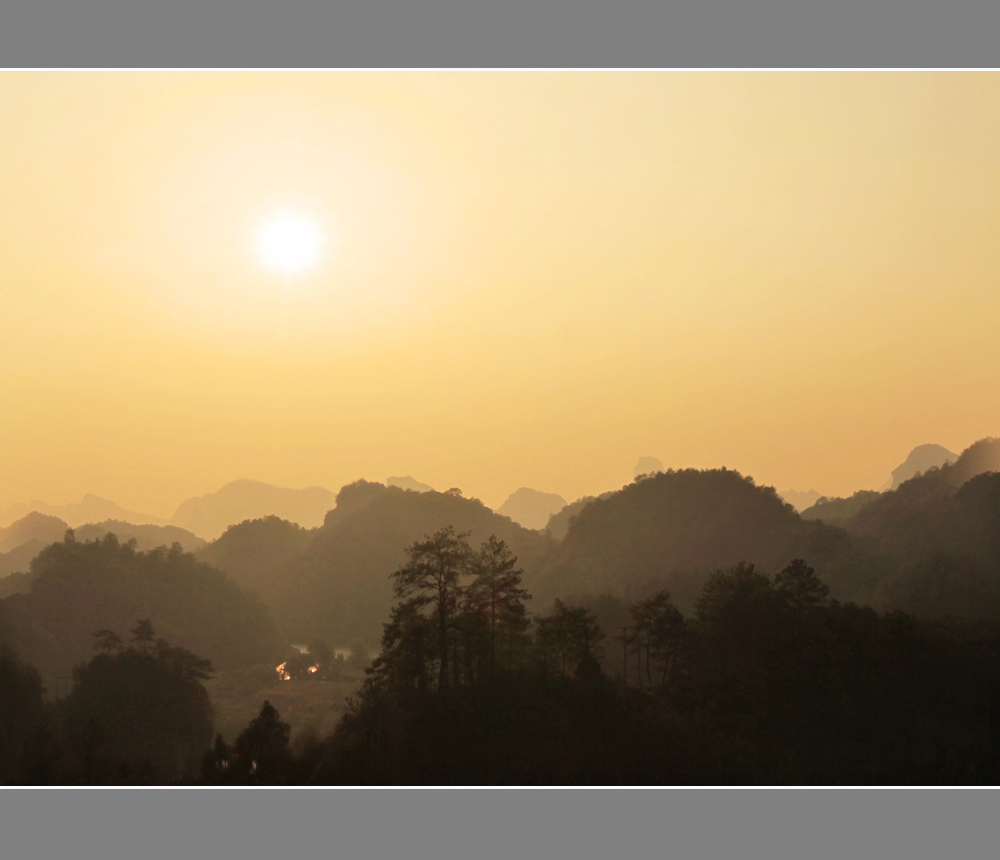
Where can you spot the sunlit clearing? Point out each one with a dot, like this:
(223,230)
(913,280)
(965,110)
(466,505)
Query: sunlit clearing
(289,243)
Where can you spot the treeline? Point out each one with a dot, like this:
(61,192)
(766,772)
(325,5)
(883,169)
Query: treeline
(768,682)
(137,713)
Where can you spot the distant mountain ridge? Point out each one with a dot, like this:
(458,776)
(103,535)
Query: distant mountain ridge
(92,509)
(208,516)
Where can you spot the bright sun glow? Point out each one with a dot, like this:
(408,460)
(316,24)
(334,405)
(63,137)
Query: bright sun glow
(289,243)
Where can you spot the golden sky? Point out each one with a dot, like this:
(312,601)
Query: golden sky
(529,279)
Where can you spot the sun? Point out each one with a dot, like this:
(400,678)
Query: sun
(289,243)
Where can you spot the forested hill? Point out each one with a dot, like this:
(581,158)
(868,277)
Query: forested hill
(23,540)
(251,550)
(79,587)
(931,546)
(676,527)
(333,582)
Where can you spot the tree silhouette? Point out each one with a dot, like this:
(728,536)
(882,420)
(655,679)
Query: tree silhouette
(431,578)
(139,713)
(801,589)
(799,585)
(660,626)
(108,641)
(142,635)
(20,709)
(261,750)
(738,611)
(496,592)
(217,766)
(568,637)
(408,643)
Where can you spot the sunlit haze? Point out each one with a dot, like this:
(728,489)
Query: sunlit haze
(491,280)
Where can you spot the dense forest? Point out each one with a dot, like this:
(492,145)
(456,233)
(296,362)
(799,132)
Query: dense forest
(690,628)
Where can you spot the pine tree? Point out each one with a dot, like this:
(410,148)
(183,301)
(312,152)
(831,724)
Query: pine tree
(431,578)
(496,593)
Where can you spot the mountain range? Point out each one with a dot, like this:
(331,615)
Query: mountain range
(931,546)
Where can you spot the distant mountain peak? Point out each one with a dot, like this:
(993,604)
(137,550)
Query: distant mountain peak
(531,508)
(407,483)
(919,460)
(647,466)
(93,508)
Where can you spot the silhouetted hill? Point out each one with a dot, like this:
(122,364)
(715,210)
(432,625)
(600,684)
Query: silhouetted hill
(981,456)
(531,508)
(942,547)
(673,529)
(79,588)
(943,509)
(920,459)
(251,550)
(18,560)
(930,546)
(32,527)
(92,509)
(907,521)
(339,588)
(210,515)
(356,497)
(408,483)
(839,512)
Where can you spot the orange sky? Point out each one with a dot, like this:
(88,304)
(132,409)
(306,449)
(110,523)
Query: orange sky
(529,278)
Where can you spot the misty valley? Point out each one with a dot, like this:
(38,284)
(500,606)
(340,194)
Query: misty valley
(691,628)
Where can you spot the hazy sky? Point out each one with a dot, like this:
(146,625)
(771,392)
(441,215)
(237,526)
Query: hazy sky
(528,278)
